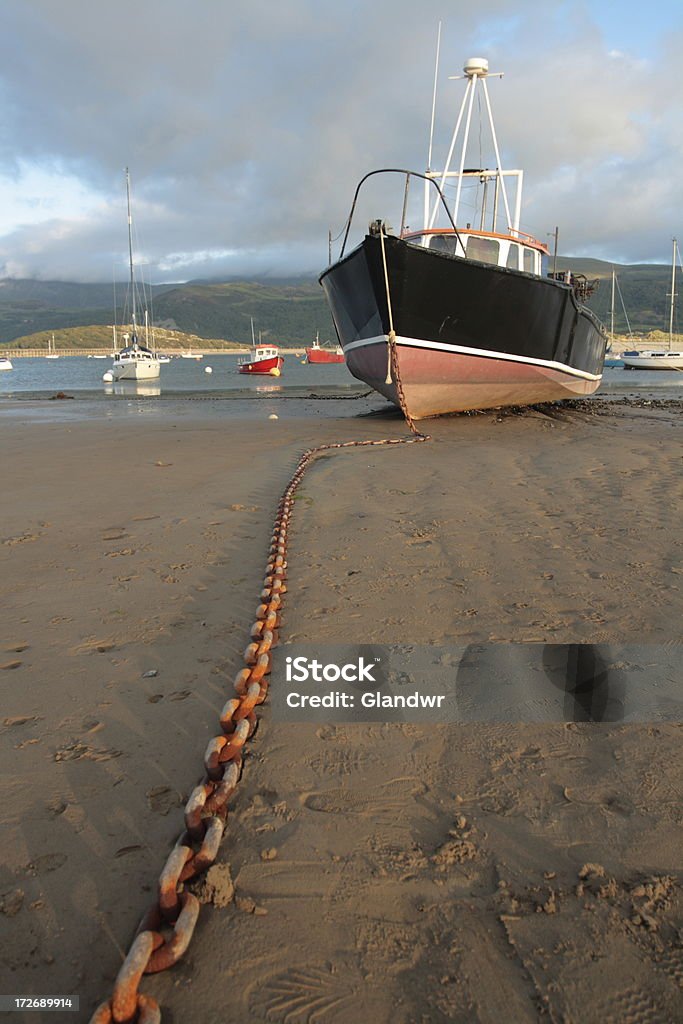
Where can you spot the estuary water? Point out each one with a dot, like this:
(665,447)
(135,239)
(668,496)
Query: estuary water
(82,377)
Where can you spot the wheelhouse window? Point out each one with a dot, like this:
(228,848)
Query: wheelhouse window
(512,262)
(529,260)
(443,243)
(486,250)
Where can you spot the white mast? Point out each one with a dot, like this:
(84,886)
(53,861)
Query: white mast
(476,68)
(431,130)
(134,336)
(611,329)
(673,292)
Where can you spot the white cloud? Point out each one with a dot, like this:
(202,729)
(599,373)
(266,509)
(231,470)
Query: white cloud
(247,126)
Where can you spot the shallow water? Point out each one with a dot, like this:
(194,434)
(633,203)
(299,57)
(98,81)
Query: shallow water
(78,373)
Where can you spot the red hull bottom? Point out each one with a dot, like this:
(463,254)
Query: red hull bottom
(262,365)
(437,382)
(318,355)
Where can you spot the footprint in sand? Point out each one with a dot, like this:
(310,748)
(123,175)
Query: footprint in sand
(385,801)
(11,664)
(94,647)
(302,995)
(44,864)
(22,538)
(16,648)
(163,799)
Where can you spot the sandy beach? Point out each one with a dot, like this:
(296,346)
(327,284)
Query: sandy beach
(374,872)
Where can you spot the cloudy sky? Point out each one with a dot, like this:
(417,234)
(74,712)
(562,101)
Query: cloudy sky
(247,123)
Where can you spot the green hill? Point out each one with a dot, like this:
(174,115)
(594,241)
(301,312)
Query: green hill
(285,311)
(95,336)
(645,289)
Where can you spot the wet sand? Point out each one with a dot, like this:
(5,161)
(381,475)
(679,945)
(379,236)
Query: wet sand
(382,872)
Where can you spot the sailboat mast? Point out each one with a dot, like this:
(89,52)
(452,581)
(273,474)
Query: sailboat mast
(130,258)
(673,293)
(611,328)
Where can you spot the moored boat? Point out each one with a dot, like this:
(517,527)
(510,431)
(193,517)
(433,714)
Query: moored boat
(319,354)
(652,360)
(448,318)
(659,360)
(263,359)
(5,363)
(135,361)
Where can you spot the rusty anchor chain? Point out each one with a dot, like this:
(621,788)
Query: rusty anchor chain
(175,910)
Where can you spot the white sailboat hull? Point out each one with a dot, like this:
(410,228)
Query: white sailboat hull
(654,361)
(136,369)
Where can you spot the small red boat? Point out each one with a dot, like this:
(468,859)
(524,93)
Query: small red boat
(316,354)
(264,359)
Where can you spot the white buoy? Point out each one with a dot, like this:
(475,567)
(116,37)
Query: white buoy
(108,377)
(272,416)
(207,369)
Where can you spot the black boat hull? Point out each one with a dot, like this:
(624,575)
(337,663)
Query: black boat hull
(468,335)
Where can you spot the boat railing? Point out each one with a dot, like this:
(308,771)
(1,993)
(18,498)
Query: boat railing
(408,175)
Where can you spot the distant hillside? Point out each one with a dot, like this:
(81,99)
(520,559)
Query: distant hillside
(645,289)
(96,336)
(28,306)
(287,311)
(289,314)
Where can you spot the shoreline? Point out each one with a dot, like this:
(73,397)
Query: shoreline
(404,868)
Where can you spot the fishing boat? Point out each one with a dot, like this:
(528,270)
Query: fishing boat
(51,351)
(135,361)
(659,360)
(317,354)
(263,359)
(458,316)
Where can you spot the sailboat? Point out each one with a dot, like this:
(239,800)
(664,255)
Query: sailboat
(455,315)
(134,361)
(653,360)
(51,351)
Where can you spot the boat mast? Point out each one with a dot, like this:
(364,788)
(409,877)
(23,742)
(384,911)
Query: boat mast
(476,70)
(130,260)
(611,328)
(673,292)
(431,130)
